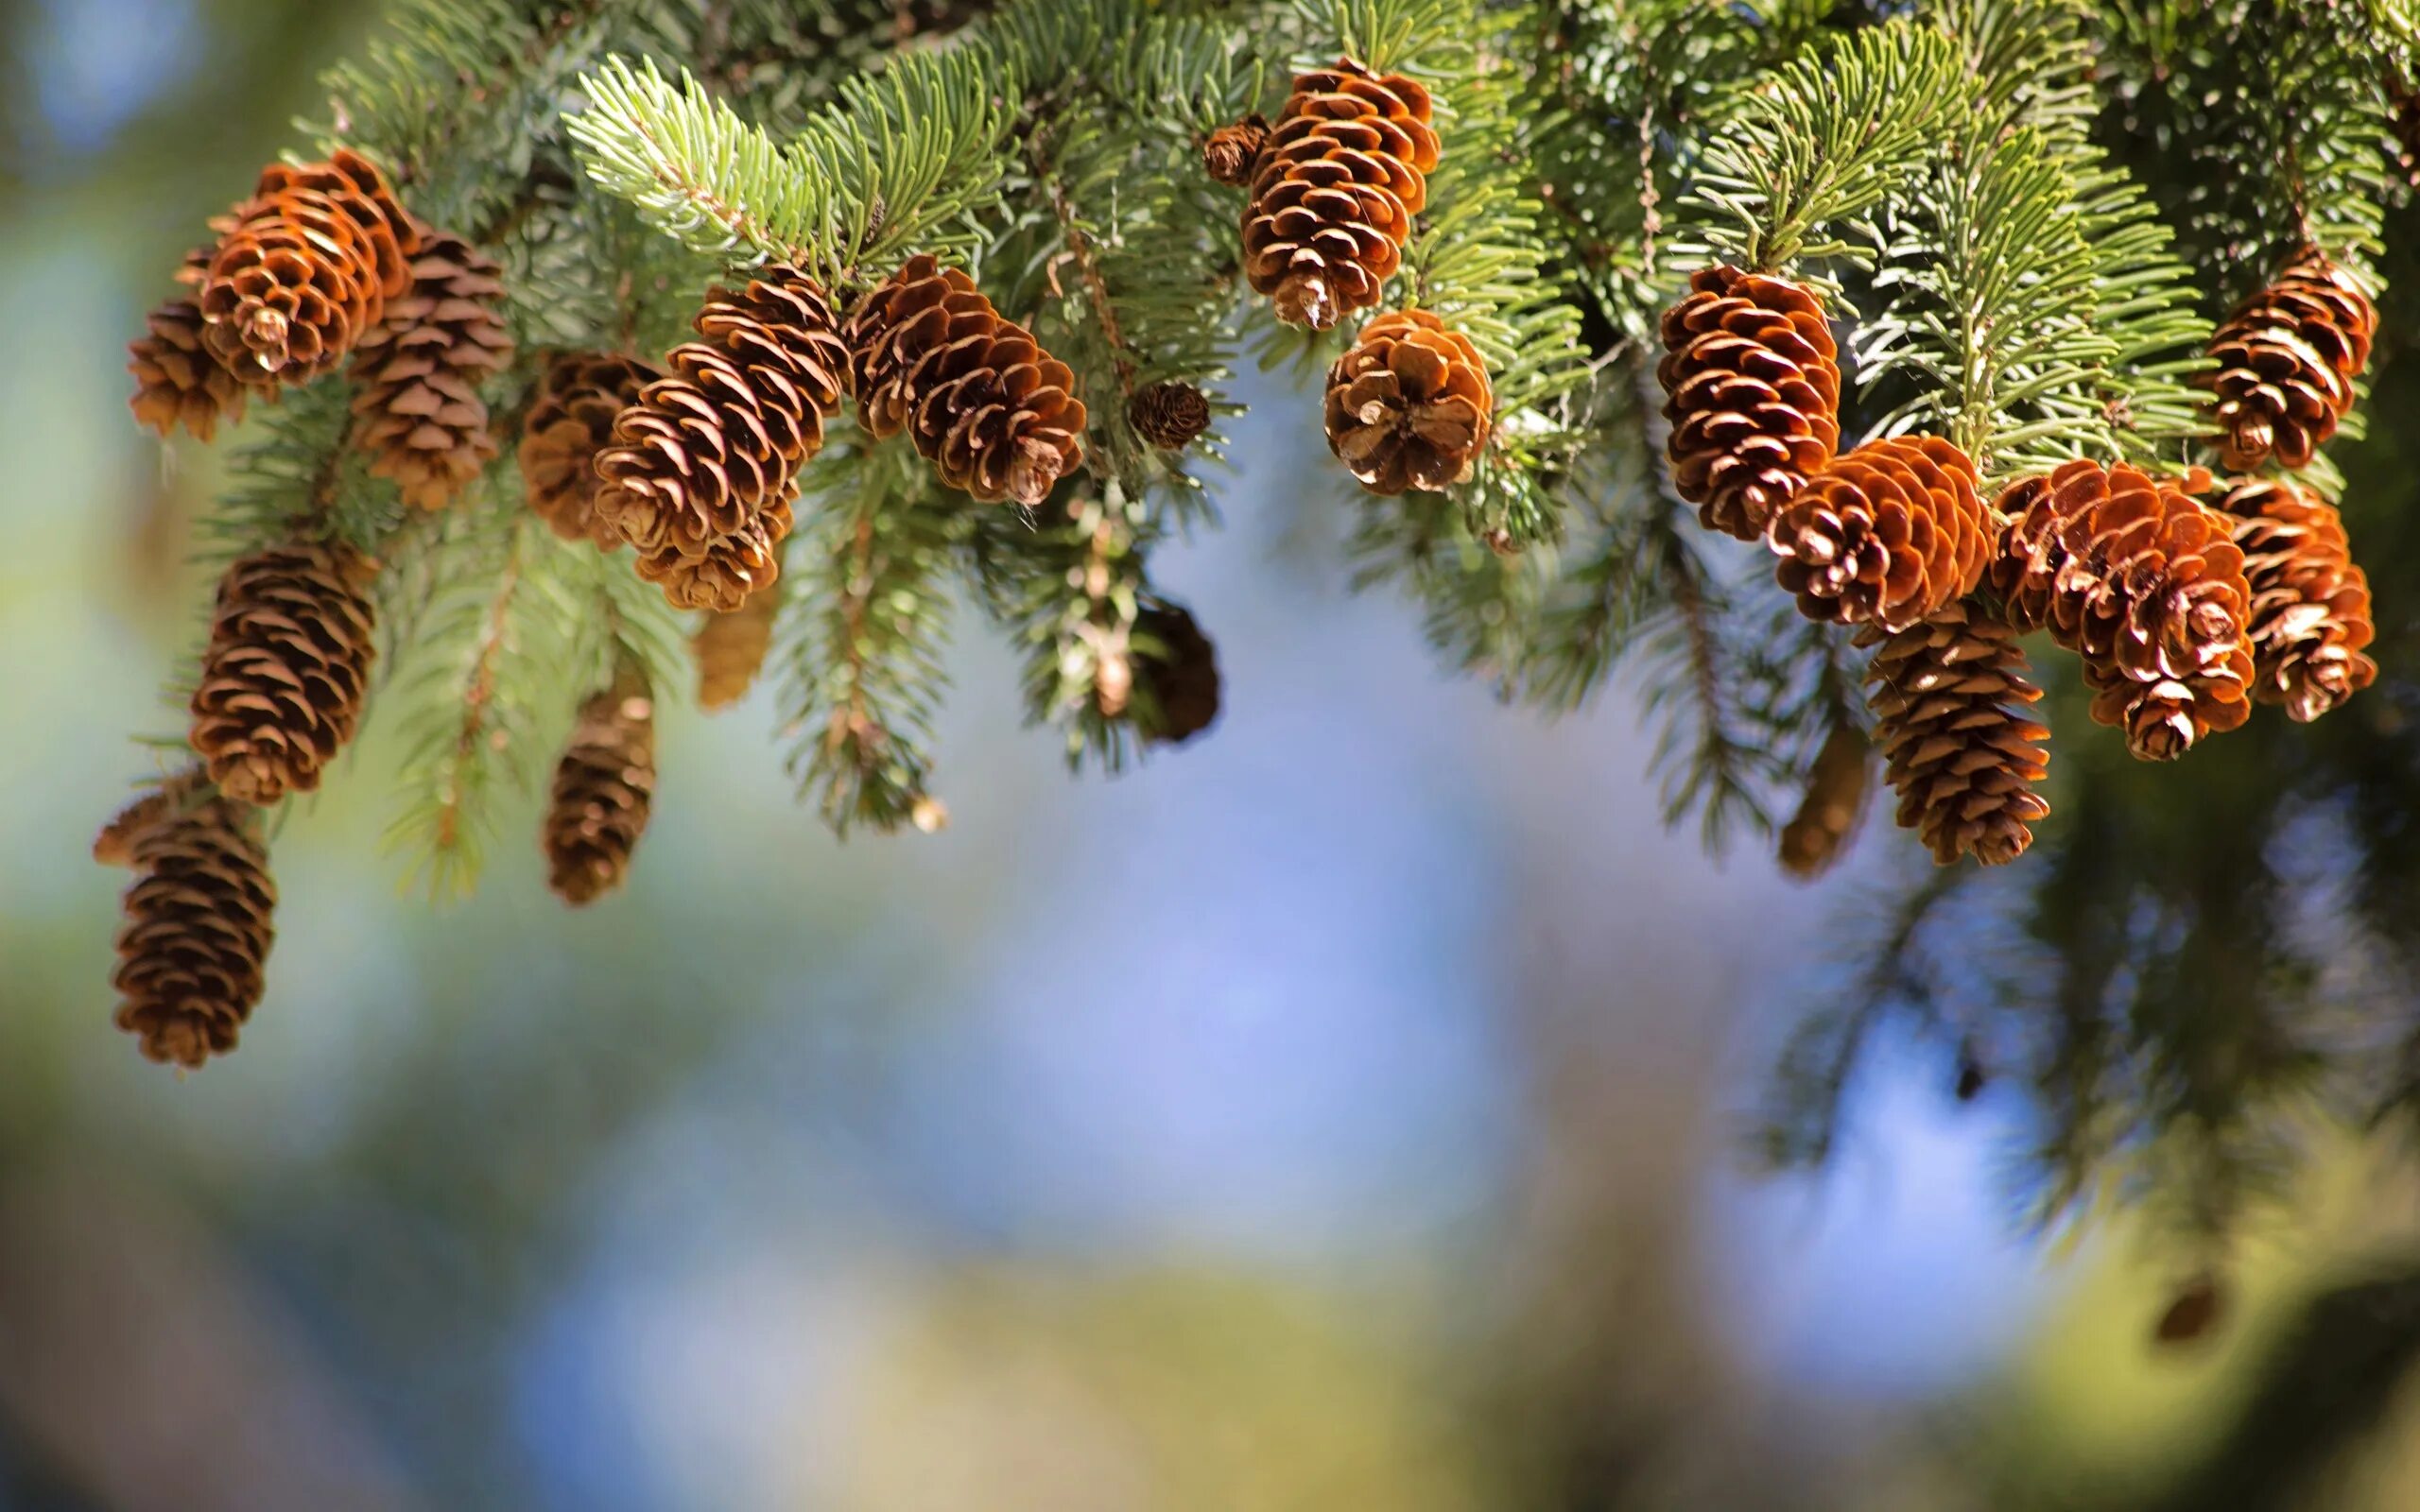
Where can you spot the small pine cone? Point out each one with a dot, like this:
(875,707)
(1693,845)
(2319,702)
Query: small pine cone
(730,648)
(2310,605)
(307,269)
(1949,700)
(734,569)
(997,414)
(2145,585)
(1751,385)
(2286,359)
(1228,157)
(1409,405)
(417,406)
(287,669)
(178,380)
(604,786)
(1834,799)
(197,930)
(1179,682)
(570,421)
(1333,193)
(1168,414)
(706,453)
(1889,534)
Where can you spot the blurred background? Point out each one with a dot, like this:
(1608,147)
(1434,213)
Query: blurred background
(1355,1109)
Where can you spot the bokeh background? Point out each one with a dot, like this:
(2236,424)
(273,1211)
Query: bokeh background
(1347,1110)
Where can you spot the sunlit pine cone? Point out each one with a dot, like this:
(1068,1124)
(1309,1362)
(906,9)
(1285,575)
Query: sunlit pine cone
(308,269)
(995,414)
(1889,534)
(1949,698)
(604,787)
(2145,585)
(179,381)
(730,648)
(1171,415)
(196,925)
(287,668)
(2286,359)
(709,454)
(570,421)
(2311,604)
(1231,151)
(1833,802)
(734,569)
(1408,404)
(1335,191)
(416,404)
(1176,668)
(1751,385)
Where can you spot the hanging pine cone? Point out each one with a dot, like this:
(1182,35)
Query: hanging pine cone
(730,648)
(1177,669)
(1751,385)
(287,668)
(196,930)
(1408,404)
(734,569)
(2286,359)
(1333,193)
(417,407)
(1886,535)
(178,380)
(2145,586)
(2310,605)
(703,464)
(570,421)
(1949,700)
(603,788)
(1169,415)
(1834,801)
(307,269)
(1231,153)
(997,414)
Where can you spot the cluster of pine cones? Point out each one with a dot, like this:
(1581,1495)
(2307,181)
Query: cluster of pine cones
(2181,612)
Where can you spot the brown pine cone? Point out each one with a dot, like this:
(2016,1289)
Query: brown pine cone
(287,669)
(699,463)
(307,269)
(997,414)
(732,570)
(2145,585)
(1168,414)
(1409,405)
(1180,680)
(1751,385)
(730,648)
(1333,193)
(1948,697)
(1889,534)
(2286,359)
(416,405)
(1834,799)
(2310,605)
(604,786)
(196,930)
(570,421)
(178,380)
(1230,153)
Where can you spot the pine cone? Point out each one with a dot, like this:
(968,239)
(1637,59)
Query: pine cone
(997,414)
(732,570)
(179,380)
(1948,697)
(1889,534)
(418,373)
(2145,586)
(1409,405)
(1333,193)
(570,421)
(1751,383)
(307,269)
(1169,415)
(287,668)
(730,648)
(1231,153)
(2286,359)
(603,788)
(2310,605)
(1180,680)
(196,930)
(704,463)
(1834,798)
